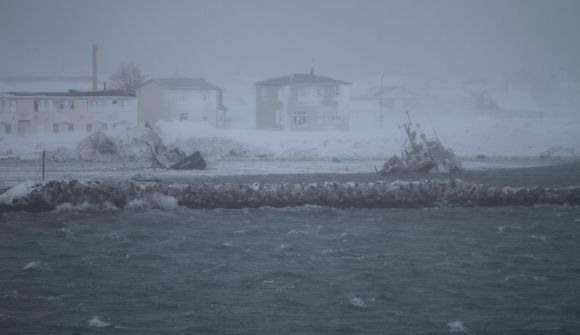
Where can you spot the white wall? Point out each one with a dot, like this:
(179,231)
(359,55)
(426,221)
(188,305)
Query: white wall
(197,106)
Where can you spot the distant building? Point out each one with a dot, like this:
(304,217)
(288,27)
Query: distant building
(302,101)
(180,99)
(26,113)
(507,103)
(47,84)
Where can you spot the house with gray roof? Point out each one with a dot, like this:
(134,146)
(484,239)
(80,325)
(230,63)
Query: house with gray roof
(181,99)
(302,101)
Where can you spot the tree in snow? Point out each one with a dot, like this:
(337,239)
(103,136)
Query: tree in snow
(128,78)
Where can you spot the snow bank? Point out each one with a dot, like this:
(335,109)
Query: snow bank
(21,190)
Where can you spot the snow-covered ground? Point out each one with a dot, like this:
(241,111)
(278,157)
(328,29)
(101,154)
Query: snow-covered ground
(122,155)
(366,140)
(14,172)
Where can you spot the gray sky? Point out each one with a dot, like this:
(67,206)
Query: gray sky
(348,39)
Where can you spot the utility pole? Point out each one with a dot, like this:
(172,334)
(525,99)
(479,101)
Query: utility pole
(381,115)
(94,68)
(43,164)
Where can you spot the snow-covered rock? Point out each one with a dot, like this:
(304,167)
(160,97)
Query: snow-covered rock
(425,193)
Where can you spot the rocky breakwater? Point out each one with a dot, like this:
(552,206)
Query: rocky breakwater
(51,195)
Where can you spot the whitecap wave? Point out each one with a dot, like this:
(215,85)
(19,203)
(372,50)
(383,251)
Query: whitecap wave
(37,265)
(523,276)
(503,229)
(84,206)
(358,302)
(456,327)
(154,200)
(98,323)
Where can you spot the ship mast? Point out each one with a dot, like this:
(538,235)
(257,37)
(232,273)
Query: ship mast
(411,134)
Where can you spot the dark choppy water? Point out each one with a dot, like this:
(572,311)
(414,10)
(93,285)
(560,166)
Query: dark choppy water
(305,270)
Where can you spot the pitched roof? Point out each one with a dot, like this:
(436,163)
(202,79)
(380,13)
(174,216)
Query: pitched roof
(39,78)
(300,78)
(184,84)
(75,93)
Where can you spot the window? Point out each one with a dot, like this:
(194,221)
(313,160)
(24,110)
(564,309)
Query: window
(60,105)
(42,106)
(301,93)
(12,106)
(70,127)
(319,92)
(96,126)
(2,105)
(71,104)
(6,128)
(299,118)
(336,90)
(36,105)
(115,102)
(183,116)
(55,128)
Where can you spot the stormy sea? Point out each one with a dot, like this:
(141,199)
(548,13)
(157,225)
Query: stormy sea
(298,270)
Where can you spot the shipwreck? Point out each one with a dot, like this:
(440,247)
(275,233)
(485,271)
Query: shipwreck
(420,154)
(175,159)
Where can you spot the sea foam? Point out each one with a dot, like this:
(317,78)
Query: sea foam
(98,323)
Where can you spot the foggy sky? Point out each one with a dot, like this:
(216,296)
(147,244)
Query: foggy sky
(347,39)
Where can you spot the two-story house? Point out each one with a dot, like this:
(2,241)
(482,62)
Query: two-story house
(181,99)
(302,101)
(26,113)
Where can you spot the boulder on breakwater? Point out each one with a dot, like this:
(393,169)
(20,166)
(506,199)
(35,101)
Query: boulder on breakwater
(49,195)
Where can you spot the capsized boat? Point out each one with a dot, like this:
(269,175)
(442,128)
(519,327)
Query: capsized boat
(421,155)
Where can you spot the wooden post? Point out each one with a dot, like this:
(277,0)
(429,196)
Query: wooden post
(43,159)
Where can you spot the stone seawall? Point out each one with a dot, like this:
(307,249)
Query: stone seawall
(50,195)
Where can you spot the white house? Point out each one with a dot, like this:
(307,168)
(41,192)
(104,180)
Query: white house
(302,101)
(25,113)
(180,99)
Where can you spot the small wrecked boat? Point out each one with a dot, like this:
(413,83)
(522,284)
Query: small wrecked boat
(164,157)
(176,160)
(420,154)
